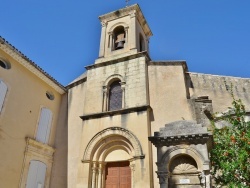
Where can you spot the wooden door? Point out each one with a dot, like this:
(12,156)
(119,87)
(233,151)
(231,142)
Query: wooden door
(118,175)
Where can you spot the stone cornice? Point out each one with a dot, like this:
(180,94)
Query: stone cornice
(38,148)
(30,65)
(76,83)
(176,140)
(133,10)
(170,63)
(115,112)
(118,60)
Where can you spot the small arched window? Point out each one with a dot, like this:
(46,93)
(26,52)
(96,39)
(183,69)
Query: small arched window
(119,35)
(115,96)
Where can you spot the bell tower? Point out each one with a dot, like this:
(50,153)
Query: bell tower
(124,32)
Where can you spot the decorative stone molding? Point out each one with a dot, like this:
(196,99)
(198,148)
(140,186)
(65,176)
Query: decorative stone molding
(39,152)
(104,24)
(183,149)
(133,14)
(180,132)
(38,149)
(138,153)
(115,112)
(113,77)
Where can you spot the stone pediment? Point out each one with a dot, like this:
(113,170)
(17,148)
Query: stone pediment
(181,132)
(181,128)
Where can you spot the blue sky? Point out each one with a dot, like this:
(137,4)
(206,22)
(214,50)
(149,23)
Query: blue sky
(62,37)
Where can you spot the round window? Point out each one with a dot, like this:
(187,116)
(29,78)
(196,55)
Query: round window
(4,64)
(50,95)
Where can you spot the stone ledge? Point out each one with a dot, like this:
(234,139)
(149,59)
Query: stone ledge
(39,148)
(115,112)
(118,60)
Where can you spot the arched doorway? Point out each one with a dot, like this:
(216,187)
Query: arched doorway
(111,155)
(183,172)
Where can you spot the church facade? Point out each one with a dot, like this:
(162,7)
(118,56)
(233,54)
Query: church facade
(128,121)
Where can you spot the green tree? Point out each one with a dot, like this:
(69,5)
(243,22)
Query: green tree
(230,155)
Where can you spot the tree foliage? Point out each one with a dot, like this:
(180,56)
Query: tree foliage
(230,155)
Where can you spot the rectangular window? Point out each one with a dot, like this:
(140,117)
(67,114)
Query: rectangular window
(3,91)
(44,125)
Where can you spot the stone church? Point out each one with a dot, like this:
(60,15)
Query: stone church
(127,122)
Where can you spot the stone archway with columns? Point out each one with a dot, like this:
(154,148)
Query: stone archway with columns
(182,155)
(113,144)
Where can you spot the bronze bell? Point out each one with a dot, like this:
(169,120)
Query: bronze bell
(120,40)
(120,45)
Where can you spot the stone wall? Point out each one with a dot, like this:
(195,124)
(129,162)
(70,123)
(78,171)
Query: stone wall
(218,88)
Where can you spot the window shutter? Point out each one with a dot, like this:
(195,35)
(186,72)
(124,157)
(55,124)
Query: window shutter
(36,175)
(41,173)
(3,91)
(44,125)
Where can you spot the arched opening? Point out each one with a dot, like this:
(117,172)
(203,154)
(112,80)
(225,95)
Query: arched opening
(184,172)
(110,154)
(119,36)
(115,96)
(183,164)
(142,43)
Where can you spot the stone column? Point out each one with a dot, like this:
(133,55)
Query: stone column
(132,167)
(111,44)
(123,93)
(105,98)
(163,179)
(103,38)
(147,40)
(94,170)
(126,39)
(207,179)
(133,32)
(103,174)
(100,175)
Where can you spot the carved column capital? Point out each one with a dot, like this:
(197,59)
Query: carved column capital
(133,14)
(104,24)
(132,167)
(105,89)
(94,168)
(163,177)
(110,33)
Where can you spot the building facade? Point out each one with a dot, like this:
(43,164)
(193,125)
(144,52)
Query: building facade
(33,110)
(128,121)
